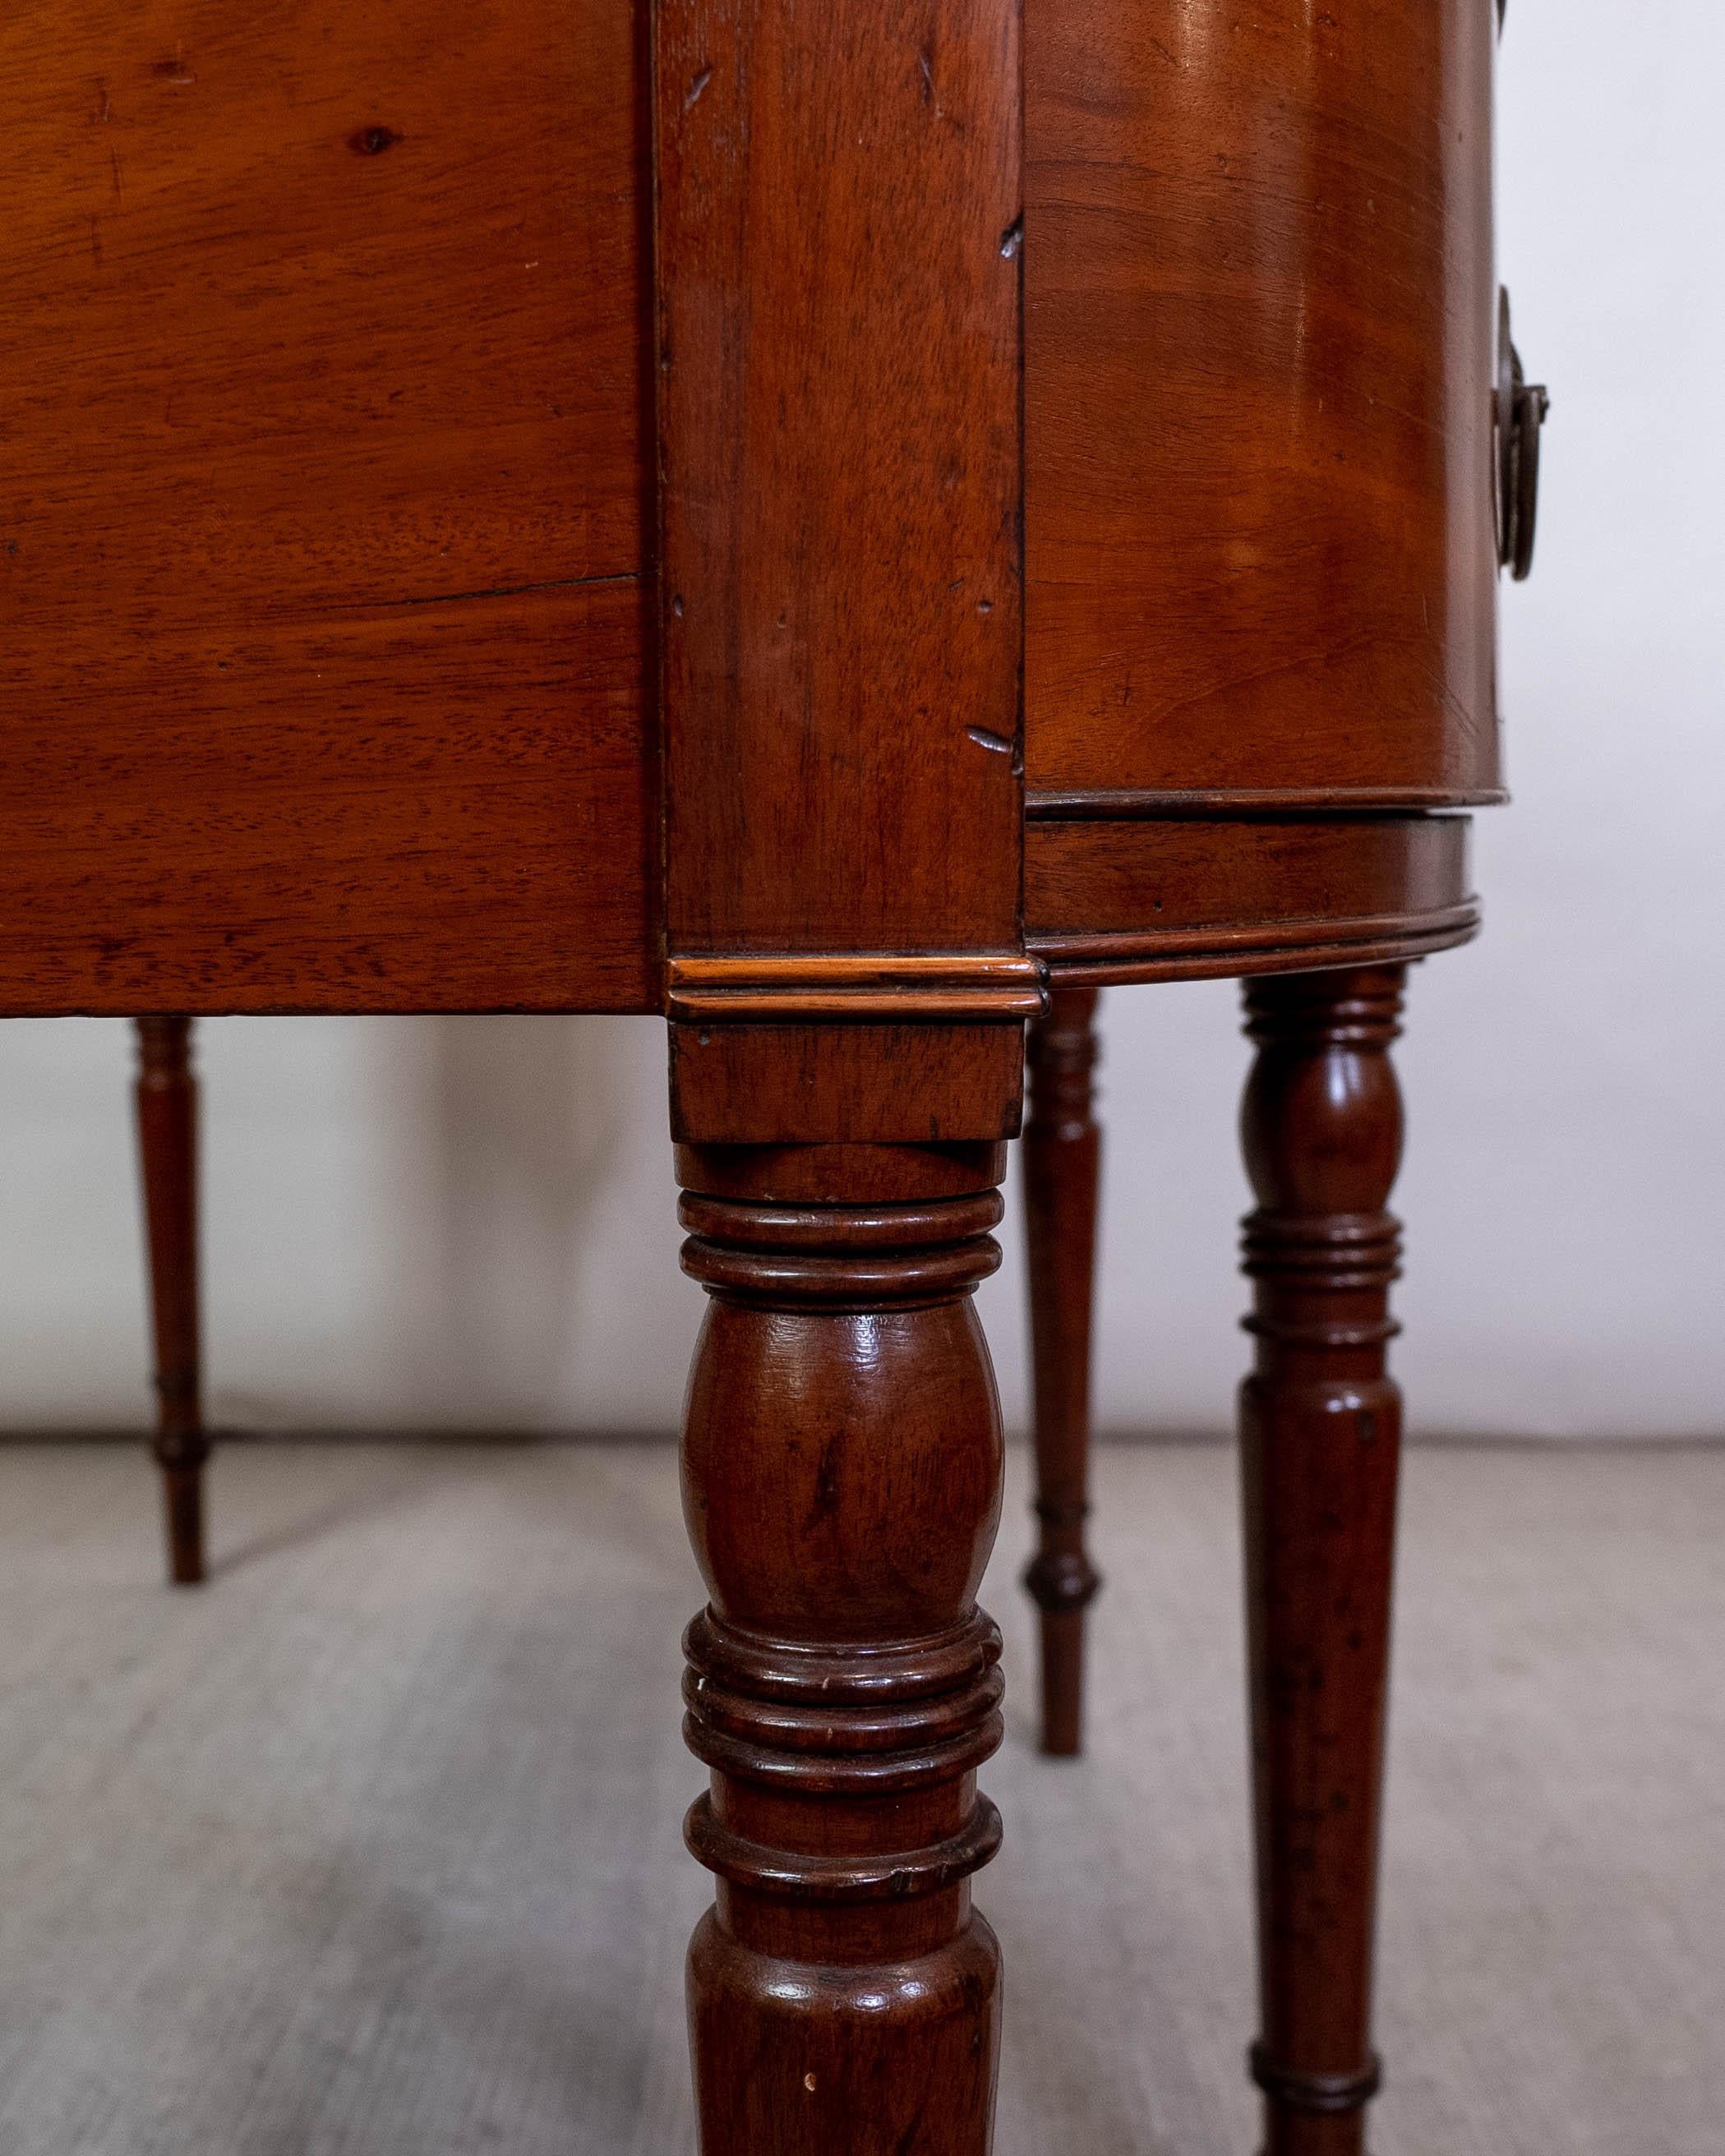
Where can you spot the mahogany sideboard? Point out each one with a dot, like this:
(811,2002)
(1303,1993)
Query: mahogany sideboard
(852,526)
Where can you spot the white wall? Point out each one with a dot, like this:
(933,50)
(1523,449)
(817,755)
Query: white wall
(469,1223)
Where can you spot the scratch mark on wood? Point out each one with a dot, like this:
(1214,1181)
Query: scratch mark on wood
(512,591)
(692,95)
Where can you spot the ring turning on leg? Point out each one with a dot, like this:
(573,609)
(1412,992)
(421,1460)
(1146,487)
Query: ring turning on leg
(1062,1155)
(841,1475)
(1320,1430)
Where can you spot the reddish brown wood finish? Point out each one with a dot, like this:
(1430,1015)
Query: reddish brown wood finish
(772,1084)
(1258,352)
(841,636)
(841,1459)
(1320,1434)
(1215,892)
(166,1095)
(891,985)
(332,629)
(1062,1163)
(840,474)
(323,473)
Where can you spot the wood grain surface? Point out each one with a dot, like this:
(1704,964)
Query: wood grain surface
(320,508)
(1259,320)
(842,1460)
(838,271)
(1320,1437)
(1189,897)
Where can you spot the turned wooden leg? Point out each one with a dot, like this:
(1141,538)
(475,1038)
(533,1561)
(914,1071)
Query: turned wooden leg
(167,1147)
(1062,1150)
(841,1459)
(1320,1431)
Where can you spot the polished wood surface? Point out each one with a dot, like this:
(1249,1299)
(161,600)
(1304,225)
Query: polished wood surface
(840,490)
(842,1465)
(1320,1439)
(595,507)
(841,636)
(1259,309)
(323,484)
(1062,1170)
(1235,892)
(837,1084)
(166,1097)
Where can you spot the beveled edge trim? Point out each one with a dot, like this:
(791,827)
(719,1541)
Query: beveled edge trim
(1129,804)
(1121,957)
(859,985)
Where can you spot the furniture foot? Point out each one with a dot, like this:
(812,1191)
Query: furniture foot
(1062,1149)
(1320,1429)
(841,1461)
(168,1151)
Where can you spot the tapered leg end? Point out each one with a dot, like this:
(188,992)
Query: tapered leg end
(1319,1437)
(182,1509)
(1062,1156)
(1063,1684)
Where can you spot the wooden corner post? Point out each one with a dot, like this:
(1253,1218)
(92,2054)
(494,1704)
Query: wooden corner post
(838,380)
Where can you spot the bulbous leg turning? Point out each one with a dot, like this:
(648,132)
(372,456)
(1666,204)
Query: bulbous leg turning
(841,1461)
(1320,1435)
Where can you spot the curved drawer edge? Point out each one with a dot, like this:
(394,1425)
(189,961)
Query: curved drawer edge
(1136,805)
(1101,962)
(1179,900)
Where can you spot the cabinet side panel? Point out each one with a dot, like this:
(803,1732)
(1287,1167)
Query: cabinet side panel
(321,507)
(374,814)
(1259,360)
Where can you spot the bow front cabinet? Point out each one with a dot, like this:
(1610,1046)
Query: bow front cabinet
(852,526)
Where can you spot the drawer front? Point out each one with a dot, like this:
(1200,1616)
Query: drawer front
(1259,324)
(1196,897)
